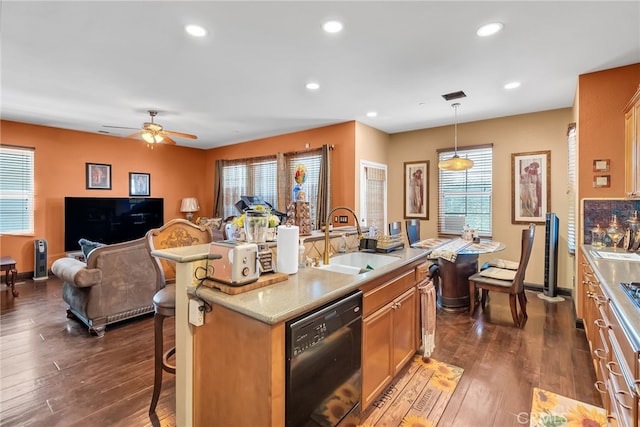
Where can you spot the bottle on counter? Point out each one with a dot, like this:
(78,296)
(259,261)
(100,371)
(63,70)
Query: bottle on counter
(302,259)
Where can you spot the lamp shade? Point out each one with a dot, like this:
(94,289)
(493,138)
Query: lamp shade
(189,204)
(456,163)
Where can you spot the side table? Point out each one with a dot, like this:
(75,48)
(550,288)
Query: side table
(8,265)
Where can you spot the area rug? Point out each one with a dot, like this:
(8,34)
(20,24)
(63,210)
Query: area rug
(553,410)
(416,398)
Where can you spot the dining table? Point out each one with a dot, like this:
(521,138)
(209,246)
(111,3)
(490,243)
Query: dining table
(457,259)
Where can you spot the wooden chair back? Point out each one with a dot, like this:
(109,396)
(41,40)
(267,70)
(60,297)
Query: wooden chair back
(174,234)
(525,253)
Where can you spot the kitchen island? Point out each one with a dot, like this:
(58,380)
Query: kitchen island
(231,369)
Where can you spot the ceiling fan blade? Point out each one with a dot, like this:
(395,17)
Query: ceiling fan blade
(167,139)
(134,135)
(180,134)
(118,127)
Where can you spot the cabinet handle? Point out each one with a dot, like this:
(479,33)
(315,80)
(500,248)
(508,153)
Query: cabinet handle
(600,353)
(600,386)
(621,403)
(636,388)
(610,366)
(394,306)
(601,324)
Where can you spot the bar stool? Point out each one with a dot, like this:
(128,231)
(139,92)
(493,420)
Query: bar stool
(164,305)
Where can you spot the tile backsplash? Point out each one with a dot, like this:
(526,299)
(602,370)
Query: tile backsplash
(600,212)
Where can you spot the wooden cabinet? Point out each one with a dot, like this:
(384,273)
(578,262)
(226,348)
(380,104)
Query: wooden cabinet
(389,333)
(615,360)
(632,146)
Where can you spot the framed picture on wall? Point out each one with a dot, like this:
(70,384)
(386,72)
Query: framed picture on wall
(416,189)
(98,176)
(530,187)
(139,184)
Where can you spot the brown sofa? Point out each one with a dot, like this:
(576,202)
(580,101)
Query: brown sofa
(116,283)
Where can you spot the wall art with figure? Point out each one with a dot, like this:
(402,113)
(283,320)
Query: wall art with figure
(530,187)
(416,189)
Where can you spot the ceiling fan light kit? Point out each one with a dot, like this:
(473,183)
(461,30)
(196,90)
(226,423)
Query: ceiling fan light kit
(154,133)
(456,163)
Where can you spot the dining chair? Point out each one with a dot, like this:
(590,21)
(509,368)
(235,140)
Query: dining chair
(395,228)
(413,230)
(505,281)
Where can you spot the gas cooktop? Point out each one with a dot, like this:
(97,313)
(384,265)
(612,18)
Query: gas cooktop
(632,289)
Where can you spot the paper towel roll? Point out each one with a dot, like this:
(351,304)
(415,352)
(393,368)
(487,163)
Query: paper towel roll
(287,249)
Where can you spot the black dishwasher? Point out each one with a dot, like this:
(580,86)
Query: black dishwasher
(323,364)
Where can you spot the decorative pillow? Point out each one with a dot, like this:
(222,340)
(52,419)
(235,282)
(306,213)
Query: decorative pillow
(498,273)
(213,223)
(87,246)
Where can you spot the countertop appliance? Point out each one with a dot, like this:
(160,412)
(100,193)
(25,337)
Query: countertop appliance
(238,265)
(323,363)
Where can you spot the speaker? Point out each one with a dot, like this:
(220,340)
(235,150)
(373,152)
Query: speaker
(40,260)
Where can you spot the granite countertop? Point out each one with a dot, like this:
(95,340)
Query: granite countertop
(610,273)
(307,289)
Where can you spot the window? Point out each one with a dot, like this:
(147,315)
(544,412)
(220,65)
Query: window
(260,176)
(571,189)
(16,190)
(373,195)
(465,196)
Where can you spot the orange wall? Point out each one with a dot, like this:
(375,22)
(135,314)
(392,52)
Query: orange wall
(60,157)
(341,136)
(603,96)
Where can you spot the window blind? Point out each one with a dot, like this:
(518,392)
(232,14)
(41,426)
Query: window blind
(465,197)
(249,177)
(571,188)
(16,190)
(311,160)
(375,183)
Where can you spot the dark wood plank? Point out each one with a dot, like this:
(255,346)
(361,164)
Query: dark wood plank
(54,373)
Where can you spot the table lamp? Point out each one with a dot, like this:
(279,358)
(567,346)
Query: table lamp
(189,205)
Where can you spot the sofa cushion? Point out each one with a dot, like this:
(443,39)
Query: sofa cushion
(87,246)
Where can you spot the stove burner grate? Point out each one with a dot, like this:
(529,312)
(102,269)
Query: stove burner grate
(632,289)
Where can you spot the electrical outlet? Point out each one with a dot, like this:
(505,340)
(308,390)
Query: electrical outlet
(335,218)
(343,219)
(196,312)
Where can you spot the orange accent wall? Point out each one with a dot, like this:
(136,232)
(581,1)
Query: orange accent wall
(341,136)
(60,157)
(603,96)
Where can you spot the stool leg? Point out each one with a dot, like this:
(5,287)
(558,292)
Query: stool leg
(157,361)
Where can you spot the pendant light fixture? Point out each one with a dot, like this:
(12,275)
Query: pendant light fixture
(456,163)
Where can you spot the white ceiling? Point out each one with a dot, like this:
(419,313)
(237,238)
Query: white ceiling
(82,65)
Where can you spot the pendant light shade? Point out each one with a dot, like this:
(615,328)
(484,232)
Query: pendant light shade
(456,163)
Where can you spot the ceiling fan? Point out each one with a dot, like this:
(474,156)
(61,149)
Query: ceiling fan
(154,133)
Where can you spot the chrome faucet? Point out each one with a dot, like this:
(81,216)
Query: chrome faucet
(325,255)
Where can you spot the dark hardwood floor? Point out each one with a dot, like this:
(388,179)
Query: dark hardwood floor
(53,373)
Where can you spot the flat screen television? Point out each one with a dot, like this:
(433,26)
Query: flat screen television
(109,219)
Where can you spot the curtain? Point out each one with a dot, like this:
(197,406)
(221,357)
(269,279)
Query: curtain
(218,201)
(324,187)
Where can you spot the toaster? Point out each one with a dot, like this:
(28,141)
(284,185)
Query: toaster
(239,263)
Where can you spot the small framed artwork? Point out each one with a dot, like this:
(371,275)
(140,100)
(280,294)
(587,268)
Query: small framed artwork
(139,184)
(98,176)
(416,189)
(530,187)
(602,181)
(601,165)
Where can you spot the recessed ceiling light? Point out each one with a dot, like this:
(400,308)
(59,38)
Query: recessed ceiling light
(196,30)
(372,114)
(312,86)
(489,29)
(332,26)
(512,85)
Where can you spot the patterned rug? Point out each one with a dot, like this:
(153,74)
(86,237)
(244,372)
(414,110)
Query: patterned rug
(416,398)
(553,410)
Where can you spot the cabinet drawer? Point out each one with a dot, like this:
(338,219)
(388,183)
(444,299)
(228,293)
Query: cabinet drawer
(385,293)
(422,271)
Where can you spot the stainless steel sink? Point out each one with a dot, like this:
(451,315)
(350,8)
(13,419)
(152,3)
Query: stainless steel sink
(358,262)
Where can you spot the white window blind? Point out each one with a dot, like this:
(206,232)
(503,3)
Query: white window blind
(16,190)
(249,177)
(571,189)
(373,195)
(465,196)
(311,160)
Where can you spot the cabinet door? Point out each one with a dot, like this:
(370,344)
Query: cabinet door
(377,367)
(404,329)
